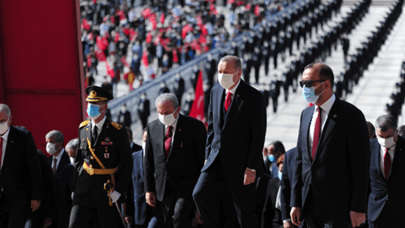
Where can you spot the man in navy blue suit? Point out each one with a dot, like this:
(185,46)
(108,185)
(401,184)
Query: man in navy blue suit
(332,161)
(285,193)
(387,168)
(236,131)
(138,213)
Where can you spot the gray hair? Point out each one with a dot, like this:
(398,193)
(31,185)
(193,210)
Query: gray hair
(6,109)
(401,131)
(72,144)
(57,135)
(386,122)
(232,58)
(167,97)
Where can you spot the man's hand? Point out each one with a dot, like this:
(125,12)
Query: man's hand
(35,204)
(150,199)
(250,176)
(197,217)
(128,219)
(47,222)
(295,215)
(357,218)
(287,225)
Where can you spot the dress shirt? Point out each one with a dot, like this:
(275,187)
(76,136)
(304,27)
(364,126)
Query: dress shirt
(58,159)
(326,107)
(99,125)
(391,151)
(5,138)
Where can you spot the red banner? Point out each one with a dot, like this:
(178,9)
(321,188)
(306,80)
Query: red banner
(85,24)
(197,110)
(109,70)
(100,55)
(257,10)
(124,61)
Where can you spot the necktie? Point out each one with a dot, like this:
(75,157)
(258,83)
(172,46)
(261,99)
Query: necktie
(387,163)
(54,164)
(168,140)
(94,135)
(1,149)
(228,101)
(317,132)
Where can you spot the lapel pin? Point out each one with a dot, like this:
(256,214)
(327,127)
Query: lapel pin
(179,129)
(238,95)
(87,129)
(334,116)
(12,141)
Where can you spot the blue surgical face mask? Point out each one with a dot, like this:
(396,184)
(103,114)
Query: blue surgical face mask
(280,175)
(93,110)
(309,94)
(271,157)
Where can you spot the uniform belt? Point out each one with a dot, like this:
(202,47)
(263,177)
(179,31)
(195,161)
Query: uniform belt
(91,171)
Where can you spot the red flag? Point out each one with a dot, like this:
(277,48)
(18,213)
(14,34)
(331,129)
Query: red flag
(85,24)
(109,70)
(132,34)
(117,37)
(100,55)
(88,61)
(257,10)
(145,58)
(112,19)
(202,39)
(248,6)
(162,18)
(175,57)
(146,13)
(148,37)
(94,1)
(102,42)
(197,109)
(125,31)
(124,61)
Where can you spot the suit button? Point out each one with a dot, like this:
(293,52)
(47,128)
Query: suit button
(91,158)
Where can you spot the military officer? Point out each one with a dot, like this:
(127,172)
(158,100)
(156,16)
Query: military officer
(103,165)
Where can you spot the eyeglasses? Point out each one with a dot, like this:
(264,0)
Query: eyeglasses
(309,83)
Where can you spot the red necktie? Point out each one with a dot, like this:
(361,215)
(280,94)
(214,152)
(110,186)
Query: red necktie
(168,140)
(387,163)
(317,132)
(228,100)
(1,149)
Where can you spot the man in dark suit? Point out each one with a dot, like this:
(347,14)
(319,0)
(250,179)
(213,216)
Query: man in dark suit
(178,87)
(174,157)
(103,165)
(138,213)
(332,162)
(20,174)
(64,172)
(134,147)
(143,110)
(285,192)
(387,169)
(236,123)
(124,116)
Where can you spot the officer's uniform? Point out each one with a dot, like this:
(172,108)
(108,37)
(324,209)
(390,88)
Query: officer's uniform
(105,159)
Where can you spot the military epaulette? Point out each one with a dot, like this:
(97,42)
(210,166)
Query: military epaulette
(84,123)
(116,125)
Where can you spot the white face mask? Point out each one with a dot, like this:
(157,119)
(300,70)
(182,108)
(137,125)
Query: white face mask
(3,128)
(51,148)
(226,80)
(143,146)
(386,143)
(167,120)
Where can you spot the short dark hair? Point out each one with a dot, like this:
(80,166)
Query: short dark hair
(371,130)
(278,146)
(325,72)
(386,122)
(129,131)
(401,131)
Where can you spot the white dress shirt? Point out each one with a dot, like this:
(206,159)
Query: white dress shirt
(99,125)
(326,107)
(57,159)
(5,138)
(391,151)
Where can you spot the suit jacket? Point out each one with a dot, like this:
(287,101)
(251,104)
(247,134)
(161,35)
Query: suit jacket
(185,160)
(340,171)
(391,190)
(285,194)
(271,215)
(20,176)
(113,150)
(238,138)
(136,202)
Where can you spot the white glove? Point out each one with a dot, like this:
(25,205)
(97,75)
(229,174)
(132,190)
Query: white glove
(115,196)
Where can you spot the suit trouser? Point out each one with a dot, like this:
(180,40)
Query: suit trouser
(13,216)
(173,211)
(313,220)
(386,219)
(210,184)
(81,216)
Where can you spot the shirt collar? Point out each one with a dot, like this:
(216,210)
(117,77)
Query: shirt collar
(59,155)
(233,90)
(5,136)
(327,106)
(99,124)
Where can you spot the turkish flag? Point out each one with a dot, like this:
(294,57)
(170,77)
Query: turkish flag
(85,24)
(148,37)
(124,61)
(102,42)
(146,13)
(109,70)
(117,37)
(162,18)
(197,110)
(88,61)
(257,10)
(145,58)
(175,57)
(100,55)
